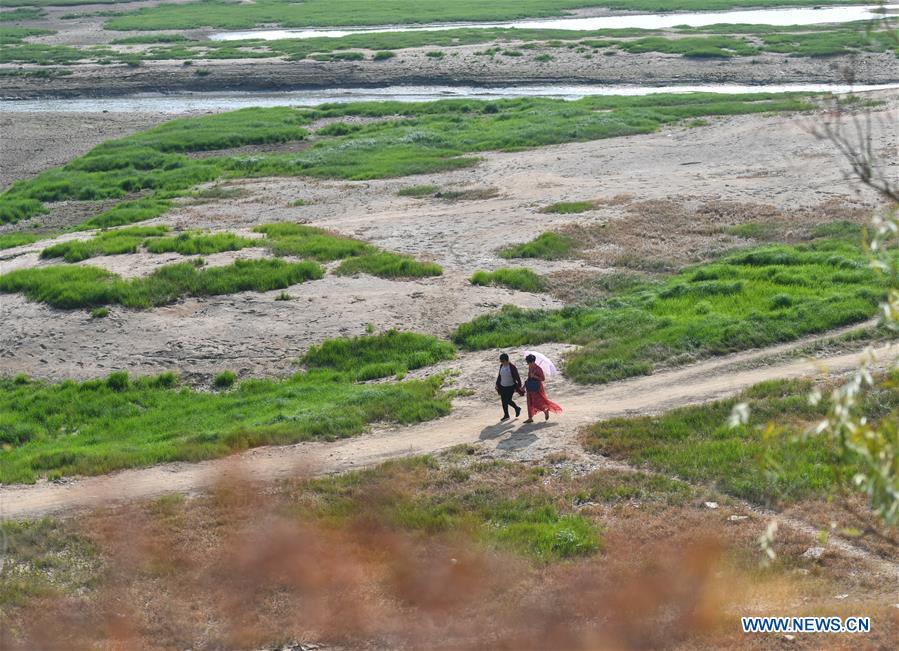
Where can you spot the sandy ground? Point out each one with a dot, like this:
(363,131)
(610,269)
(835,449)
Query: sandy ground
(781,169)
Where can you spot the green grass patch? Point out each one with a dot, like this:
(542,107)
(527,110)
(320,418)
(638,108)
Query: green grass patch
(749,299)
(16,35)
(424,138)
(617,487)
(376,356)
(192,243)
(40,73)
(69,287)
(832,43)
(60,3)
(152,238)
(152,38)
(842,229)
(14,209)
(696,444)
(21,13)
(521,279)
(287,238)
(692,46)
(124,240)
(10,240)
(227,15)
(281,238)
(752,231)
(127,212)
(502,505)
(717,41)
(547,246)
(94,427)
(388,265)
(570,207)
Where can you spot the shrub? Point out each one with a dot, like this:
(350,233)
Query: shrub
(166,380)
(383,55)
(99,313)
(118,381)
(224,380)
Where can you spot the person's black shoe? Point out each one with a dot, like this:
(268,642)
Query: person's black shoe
(503,418)
(518,412)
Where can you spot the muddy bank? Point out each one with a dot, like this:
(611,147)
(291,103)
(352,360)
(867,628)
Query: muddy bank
(462,67)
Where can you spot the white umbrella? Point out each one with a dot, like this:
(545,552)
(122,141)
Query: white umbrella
(549,369)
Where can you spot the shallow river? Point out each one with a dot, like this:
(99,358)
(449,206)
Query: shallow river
(188,102)
(783,17)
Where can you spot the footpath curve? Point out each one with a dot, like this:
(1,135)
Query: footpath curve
(697,383)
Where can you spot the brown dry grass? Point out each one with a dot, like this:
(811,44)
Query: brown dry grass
(663,235)
(249,567)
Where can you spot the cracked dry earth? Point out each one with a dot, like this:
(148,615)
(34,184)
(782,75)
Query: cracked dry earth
(666,198)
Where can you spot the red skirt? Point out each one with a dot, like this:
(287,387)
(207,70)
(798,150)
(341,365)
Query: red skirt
(537,402)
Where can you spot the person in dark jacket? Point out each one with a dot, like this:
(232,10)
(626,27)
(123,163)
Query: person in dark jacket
(508,382)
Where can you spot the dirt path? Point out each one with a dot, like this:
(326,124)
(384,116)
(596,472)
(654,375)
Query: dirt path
(469,424)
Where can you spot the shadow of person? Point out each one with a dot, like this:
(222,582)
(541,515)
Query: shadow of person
(495,431)
(533,427)
(519,440)
(523,436)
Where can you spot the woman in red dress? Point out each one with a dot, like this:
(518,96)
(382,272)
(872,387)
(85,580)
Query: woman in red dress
(537,400)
